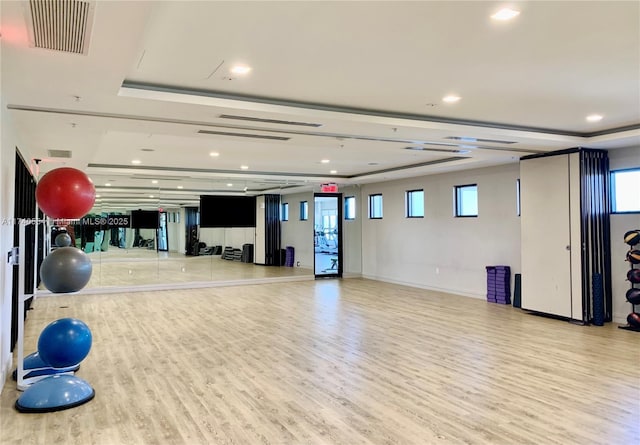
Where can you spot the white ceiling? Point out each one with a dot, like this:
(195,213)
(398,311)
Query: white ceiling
(371,74)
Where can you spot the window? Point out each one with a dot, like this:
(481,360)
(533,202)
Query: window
(285,211)
(518,197)
(415,204)
(625,190)
(466,199)
(375,206)
(350,207)
(304,210)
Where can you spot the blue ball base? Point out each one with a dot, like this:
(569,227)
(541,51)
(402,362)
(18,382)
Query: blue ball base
(55,393)
(35,367)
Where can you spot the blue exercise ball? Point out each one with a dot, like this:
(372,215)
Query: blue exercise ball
(63,240)
(66,269)
(64,342)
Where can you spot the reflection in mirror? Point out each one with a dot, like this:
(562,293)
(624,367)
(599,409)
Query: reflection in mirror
(177,250)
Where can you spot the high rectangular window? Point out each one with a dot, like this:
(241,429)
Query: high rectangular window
(304,210)
(285,211)
(375,206)
(625,191)
(518,197)
(414,203)
(466,200)
(350,207)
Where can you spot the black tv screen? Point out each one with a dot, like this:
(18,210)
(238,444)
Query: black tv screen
(227,211)
(145,219)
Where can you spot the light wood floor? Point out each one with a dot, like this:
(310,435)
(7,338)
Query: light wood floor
(137,267)
(334,362)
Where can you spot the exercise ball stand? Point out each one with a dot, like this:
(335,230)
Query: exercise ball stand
(47,393)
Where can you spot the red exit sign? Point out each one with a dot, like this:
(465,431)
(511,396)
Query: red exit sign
(329,188)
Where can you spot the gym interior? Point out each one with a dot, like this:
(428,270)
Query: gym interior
(298,240)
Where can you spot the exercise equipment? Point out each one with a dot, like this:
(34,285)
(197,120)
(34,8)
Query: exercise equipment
(65,193)
(632,237)
(55,393)
(64,342)
(66,269)
(634,319)
(633,256)
(63,240)
(37,369)
(633,296)
(634,276)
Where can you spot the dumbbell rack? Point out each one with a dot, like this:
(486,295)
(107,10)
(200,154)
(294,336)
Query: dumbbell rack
(629,327)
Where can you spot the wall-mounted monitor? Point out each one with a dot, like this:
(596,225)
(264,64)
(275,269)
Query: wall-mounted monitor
(227,211)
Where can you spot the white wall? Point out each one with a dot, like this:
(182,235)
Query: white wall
(228,237)
(621,223)
(352,236)
(439,251)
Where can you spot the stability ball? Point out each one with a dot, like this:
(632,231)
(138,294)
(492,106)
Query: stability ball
(65,193)
(63,240)
(67,269)
(64,342)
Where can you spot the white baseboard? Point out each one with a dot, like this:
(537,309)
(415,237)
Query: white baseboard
(463,293)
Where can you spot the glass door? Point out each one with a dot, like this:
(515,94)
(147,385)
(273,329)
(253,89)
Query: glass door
(163,244)
(327,236)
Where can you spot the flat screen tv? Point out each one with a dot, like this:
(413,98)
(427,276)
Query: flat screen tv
(145,219)
(227,211)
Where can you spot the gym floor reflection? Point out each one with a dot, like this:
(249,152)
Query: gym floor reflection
(136,267)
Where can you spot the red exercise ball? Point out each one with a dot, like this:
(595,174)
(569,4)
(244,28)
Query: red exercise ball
(65,193)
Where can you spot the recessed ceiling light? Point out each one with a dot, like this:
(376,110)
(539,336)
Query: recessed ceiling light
(151,196)
(108,184)
(325,161)
(136,161)
(98,196)
(452,98)
(229,185)
(594,118)
(505,14)
(154,181)
(180,187)
(333,172)
(214,154)
(244,167)
(240,69)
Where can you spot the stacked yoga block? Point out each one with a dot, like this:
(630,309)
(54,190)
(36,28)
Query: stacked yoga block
(498,289)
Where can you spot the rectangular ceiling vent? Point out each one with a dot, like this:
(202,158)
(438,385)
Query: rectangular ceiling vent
(489,141)
(59,153)
(244,135)
(60,25)
(269,121)
(438,150)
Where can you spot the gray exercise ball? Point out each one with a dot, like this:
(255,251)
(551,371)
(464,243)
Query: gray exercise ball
(66,269)
(63,240)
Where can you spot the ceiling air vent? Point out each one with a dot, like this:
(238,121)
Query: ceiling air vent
(490,141)
(438,150)
(59,153)
(269,121)
(60,25)
(245,135)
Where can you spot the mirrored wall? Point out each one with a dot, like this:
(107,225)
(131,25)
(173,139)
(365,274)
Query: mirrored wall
(147,232)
